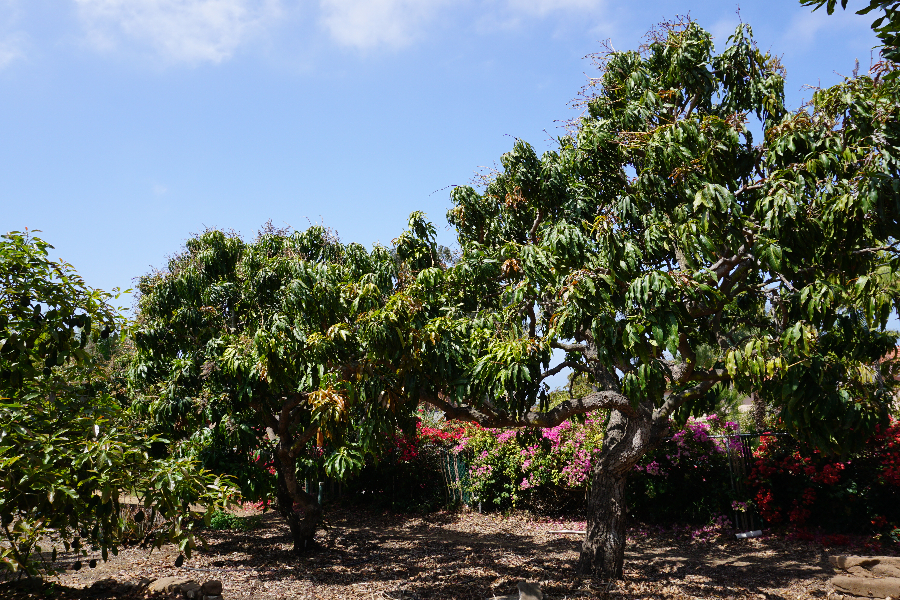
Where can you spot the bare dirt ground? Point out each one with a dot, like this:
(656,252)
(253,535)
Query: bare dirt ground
(373,555)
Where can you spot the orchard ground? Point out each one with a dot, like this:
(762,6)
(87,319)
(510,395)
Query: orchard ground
(460,555)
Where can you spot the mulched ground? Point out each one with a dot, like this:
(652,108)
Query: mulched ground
(375,555)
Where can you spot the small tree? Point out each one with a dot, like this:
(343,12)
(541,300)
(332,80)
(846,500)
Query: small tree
(668,255)
(67,454)
(268,346)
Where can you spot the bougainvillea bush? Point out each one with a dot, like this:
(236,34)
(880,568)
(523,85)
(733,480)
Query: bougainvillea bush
(545,470)
(796,485)
(687,478)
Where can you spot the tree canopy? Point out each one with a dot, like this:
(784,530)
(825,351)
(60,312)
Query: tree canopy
(689,235)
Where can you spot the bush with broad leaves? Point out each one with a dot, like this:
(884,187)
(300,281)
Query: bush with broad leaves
(68,454)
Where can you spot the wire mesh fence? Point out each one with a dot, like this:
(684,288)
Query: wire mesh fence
(740,448)
(456,477)
(740,453)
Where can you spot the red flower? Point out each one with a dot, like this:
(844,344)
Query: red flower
(799,515)
(879,522)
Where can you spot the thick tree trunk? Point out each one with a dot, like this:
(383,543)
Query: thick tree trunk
(603,549)
(627,439)
(759,411)
(301,510)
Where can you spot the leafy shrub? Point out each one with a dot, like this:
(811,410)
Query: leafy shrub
(68,452)
(546,470)
(796,485)
(231,446)
(687,478)
(225,520)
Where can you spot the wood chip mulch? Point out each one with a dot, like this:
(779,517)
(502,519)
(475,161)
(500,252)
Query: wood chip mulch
(373,555)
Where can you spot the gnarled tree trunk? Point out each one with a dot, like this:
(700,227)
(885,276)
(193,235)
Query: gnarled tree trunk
(627,439)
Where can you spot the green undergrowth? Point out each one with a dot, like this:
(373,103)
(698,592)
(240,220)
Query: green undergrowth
(223,520)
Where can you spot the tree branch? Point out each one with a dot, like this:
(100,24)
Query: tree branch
(551,418)
(701,309)
(724,265)
(742,269)
(298,444)
(293,446)
(786,283)
(890,248)
(532,320)
(677,399)
(569,347)
(691,105)
(568,363)
(748,188)
(284,421)
(714,375)
(268,418)
(690,359)
(537,221)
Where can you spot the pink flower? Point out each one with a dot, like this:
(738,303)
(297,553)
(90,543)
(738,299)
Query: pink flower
(506,435)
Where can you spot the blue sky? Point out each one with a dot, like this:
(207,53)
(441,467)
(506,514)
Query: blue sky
(126,125)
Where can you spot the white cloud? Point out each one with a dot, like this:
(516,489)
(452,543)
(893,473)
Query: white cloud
(370,23)
(512,14)
(807,26)
(12,43)
(12,48)
(179,30)
(367,24)
(541,8)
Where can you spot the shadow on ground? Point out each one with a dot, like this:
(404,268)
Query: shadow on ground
(375,555)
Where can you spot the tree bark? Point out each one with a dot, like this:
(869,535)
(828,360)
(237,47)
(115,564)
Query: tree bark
(759,411)
(603,549)
(301,510)
(627,439)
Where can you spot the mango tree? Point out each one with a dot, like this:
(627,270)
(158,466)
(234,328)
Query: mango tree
(263,348)
(666,254)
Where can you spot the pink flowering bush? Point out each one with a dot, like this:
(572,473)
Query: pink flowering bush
(540,469)
(687,478)
(798,486)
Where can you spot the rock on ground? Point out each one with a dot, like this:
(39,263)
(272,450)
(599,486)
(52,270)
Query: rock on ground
(171,584)
(867,576)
